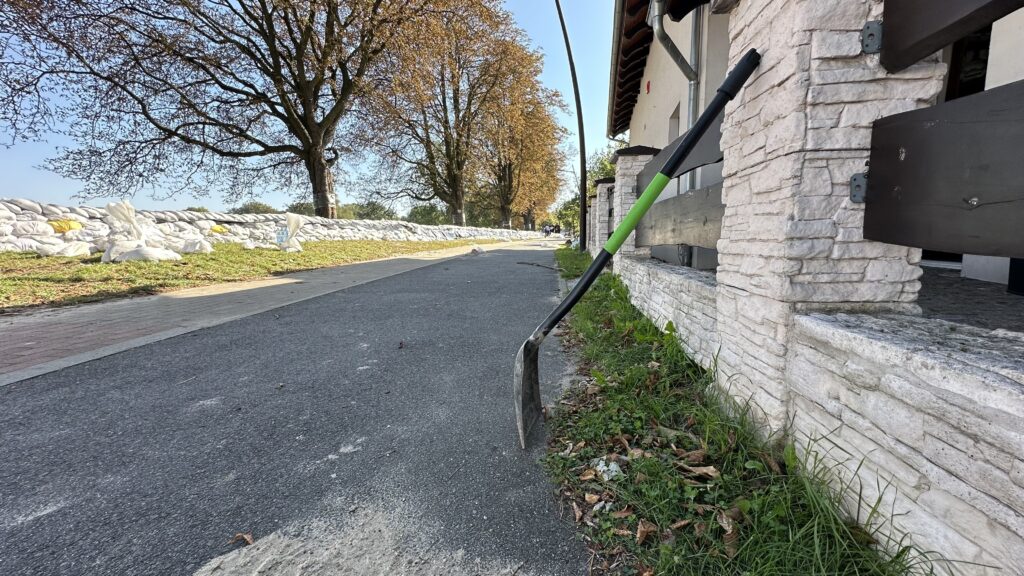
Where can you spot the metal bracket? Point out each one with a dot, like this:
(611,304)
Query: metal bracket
(858,187)
(871,37)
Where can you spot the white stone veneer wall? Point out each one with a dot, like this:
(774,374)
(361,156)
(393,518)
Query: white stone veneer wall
(936,410)
(683,296)
(791,238)
(603,226)
(929,410)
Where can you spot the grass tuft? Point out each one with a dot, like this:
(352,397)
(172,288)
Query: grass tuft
(572,263)
(30,280)
(702,490)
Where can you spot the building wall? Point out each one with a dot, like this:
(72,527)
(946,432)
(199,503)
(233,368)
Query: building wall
(1005,65)
(942,413)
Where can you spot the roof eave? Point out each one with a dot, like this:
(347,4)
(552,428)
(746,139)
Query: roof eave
(613,69)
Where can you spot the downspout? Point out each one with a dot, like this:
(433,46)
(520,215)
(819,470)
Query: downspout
(657,16)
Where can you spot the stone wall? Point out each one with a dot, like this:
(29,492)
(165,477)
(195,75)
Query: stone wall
(683,296)
(791,238)
(935,409)
(23,227)
(929,411)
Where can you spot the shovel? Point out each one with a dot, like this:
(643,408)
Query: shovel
(526,383)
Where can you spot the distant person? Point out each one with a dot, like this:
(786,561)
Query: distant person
(558,229)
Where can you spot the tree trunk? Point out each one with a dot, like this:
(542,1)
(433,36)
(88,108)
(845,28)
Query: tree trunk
(324,199)
(506,216)
(458,216)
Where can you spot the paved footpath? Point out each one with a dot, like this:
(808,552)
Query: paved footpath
(46,340)
(365,431)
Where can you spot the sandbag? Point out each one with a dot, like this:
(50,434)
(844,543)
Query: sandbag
(123,219)
(218,229)
(31,228)
(70,250)
(64,225)
(196,246)
(119,247)
(286,239)
(147,254)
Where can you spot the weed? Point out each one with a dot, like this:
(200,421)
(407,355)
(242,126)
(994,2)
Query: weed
(704,490)
(572,263)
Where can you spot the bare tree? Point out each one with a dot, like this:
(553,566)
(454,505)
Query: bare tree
(193,94)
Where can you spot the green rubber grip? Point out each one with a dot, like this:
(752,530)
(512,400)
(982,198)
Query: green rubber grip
(642,205)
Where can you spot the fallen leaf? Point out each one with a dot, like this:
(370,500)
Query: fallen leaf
(680,524)
(588,475)
(579,446)
(591,498)
(724,521)
(652,365)
(636,452)
(692,456)
(707,471)
(624,513)
(647,572)
(644,529)
(621,532)
(242,536)
(731,540)
(577,512)
(592,390)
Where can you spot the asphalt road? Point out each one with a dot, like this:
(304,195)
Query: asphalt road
(368,431)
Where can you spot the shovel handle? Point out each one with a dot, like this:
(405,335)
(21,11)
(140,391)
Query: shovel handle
(732,85)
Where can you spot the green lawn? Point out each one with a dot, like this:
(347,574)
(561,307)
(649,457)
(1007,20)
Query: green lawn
(702,492)
(572,263)
(30,280)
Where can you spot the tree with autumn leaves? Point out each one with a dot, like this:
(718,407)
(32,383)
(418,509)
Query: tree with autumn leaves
(241,96)
(464,118)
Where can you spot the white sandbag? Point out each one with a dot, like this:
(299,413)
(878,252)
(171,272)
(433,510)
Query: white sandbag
(147,254)
(122,219)
(6,215)
(69,250)
(75,249)
(25,244)
(196,246)
(32,228)
(286,239)
(115,249)
(6,229)
(26,205)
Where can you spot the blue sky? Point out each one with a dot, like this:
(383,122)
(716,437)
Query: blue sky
(589,23)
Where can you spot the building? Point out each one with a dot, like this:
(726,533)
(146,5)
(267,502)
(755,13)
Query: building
(909,360)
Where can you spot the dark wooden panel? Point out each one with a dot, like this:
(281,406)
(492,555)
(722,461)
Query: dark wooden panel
(913,29)
(707,151)
(693,218)
(1015,285)
(951,177)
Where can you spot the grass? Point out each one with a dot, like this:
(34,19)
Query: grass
(30,280)
(702,491)
(572,263)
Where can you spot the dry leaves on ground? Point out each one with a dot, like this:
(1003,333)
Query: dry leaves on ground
(242,537)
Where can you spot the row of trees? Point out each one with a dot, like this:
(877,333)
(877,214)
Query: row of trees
(237,96)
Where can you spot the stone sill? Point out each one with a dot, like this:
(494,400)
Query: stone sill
(985,366)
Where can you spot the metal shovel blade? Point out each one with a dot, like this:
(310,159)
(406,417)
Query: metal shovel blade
(526,389)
